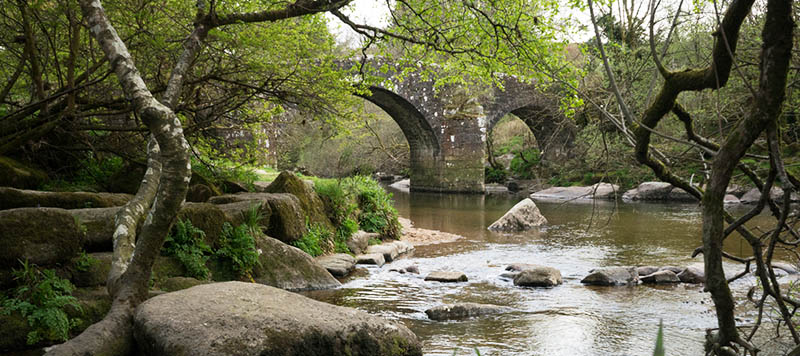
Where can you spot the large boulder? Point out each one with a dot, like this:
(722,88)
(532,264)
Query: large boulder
(339,264)
(238,213)
(649,191)
(776,194)
(464,310)
(98,226)
(286,220)
(288,267)
(11,198)
(236,318)
(311,203)
(612,276)
(43,236)
(206,217)
(596,191)
(525,215)
(18,175)
(538,276)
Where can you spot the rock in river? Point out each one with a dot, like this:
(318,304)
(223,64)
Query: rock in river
(464,310)
(339,264)
(446,276)
(692,275)
(538,276)
(612,276)
(523,216)
(661,277)
(371,259)
(235,318)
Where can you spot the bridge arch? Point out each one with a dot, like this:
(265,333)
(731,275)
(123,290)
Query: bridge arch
(424,146)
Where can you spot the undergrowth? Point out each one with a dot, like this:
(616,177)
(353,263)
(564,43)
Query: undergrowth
(362,200)
(41,298)
(186,244)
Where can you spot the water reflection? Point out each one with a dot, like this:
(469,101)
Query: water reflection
(570,319)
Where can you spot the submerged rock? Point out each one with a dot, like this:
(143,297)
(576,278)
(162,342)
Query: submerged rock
(446,276)
(464,310)
(339,264)
(692,275)
(612,276)
(525,215)
(661,277)
(236,318)
(645,270)
(596,191)
(538,276)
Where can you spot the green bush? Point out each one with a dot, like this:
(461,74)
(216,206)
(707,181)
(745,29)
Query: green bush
(85,262)
(523,163)
(494,175)
(41,298)
(238,248)
(312,242)
(376,211)
(185,243)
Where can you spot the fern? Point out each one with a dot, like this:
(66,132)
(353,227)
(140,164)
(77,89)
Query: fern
(41,299)
(186,244)
(238,247)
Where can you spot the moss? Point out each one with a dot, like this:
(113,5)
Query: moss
(166,267)
(18,175)
(310,202)
(179,283)
(11,198)
(53,239)
(206,217)
(13,331)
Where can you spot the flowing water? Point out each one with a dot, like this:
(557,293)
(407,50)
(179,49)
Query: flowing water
(571,319)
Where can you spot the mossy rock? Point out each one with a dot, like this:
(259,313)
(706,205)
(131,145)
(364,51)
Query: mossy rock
(18,175)
(11,198)
(236,213)
(98,226)
(180,283)
(43,236)
(288,267)
(13,332)
(166,267)
(311,203)
(206,217)
(286,220)
(93,275)
(95,304)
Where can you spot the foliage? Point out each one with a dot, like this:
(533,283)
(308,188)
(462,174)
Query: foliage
(218,170)
(523,163)
(313,240)
(185,243)
(89,174)
(238,247)
(84,262)
(494,175)
(41,298)
(376,210)
(659,349)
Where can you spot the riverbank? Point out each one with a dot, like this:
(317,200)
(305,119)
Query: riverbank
(419,237)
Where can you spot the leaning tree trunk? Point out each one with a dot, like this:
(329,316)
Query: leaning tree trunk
(169,150)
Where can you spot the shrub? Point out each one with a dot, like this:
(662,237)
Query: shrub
(312,242)
(41,298)
(523,163)
(85,262)
(494,175)
(238,248)
(185,243)
(376,212)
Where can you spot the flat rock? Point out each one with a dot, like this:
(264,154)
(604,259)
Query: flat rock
(236,318)
(371,259)
(11,198)
(596,191)
(673,269)
(403,185)
(464,310)
(517,267)
(359,241)
(446,276)
(339,265)
(612,276)
(525,215)
(786,267)
(661,277)
(649,191)
(98,224)
(494,188)
(645,270)
(388,250)
(730,199)
(692,275)
(538,276)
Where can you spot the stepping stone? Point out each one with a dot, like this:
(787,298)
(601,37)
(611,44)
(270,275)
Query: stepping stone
(446,276)
(371,259)
(339,265)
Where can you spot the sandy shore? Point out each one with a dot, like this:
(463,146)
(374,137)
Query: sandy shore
(417,236)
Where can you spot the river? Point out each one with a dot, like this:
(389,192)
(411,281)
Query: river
(571,319)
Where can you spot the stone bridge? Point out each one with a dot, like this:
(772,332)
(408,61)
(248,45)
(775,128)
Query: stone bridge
(447,127)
